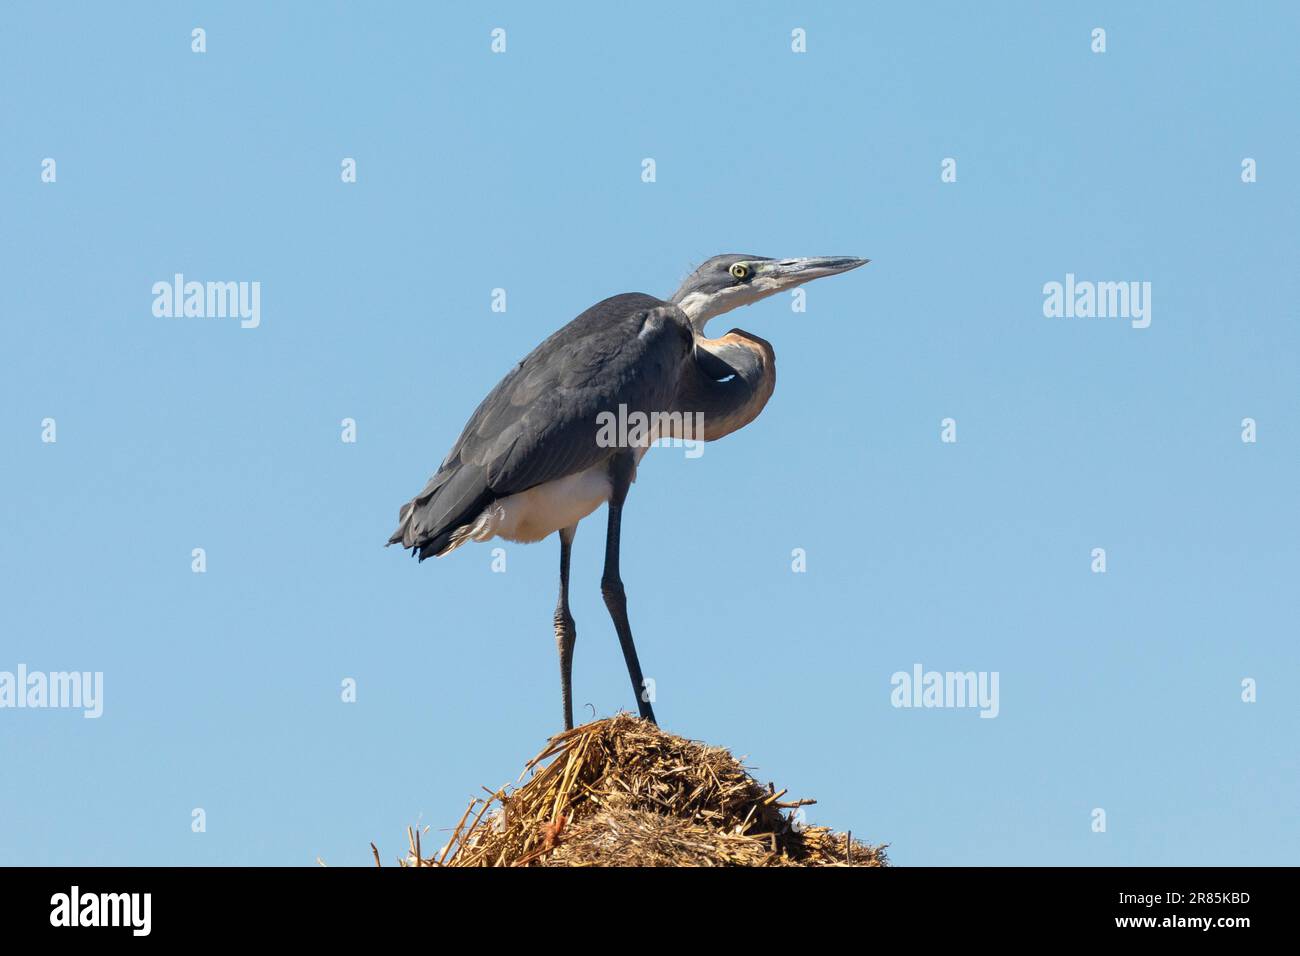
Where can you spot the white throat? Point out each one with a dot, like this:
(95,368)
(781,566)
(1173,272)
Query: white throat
(695,306)
(703,307)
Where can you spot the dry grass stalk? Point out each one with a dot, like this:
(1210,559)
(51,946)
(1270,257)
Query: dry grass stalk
(622,792)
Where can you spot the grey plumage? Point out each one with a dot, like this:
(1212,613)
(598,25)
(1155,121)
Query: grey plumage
(540,421)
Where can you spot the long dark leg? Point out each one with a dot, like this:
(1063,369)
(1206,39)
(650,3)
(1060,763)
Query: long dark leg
(621,468)
(565,635)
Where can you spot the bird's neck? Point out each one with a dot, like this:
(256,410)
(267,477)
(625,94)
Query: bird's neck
(728,383)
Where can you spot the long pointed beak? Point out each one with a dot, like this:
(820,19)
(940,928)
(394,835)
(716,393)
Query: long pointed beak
(791,272)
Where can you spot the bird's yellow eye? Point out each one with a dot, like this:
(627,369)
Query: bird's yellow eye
(740,270)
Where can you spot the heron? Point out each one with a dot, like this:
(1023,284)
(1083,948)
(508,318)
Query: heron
(533,460)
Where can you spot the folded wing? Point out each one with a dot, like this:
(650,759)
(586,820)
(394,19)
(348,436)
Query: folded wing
(541,423)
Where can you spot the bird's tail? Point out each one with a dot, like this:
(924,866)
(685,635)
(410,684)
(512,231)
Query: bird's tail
(420,546)
(435,521)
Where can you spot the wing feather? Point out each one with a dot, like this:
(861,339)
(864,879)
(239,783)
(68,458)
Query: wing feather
(541,421)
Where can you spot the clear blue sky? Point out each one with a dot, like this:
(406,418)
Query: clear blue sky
(523,171)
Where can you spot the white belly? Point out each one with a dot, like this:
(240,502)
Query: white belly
(533,514)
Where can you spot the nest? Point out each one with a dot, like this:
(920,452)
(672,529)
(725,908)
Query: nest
(622,792)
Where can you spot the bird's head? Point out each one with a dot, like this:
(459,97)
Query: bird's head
(729,281)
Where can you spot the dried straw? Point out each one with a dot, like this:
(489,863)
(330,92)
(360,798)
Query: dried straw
(622,792)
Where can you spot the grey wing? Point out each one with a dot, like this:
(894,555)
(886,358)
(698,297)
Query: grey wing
(541,421)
